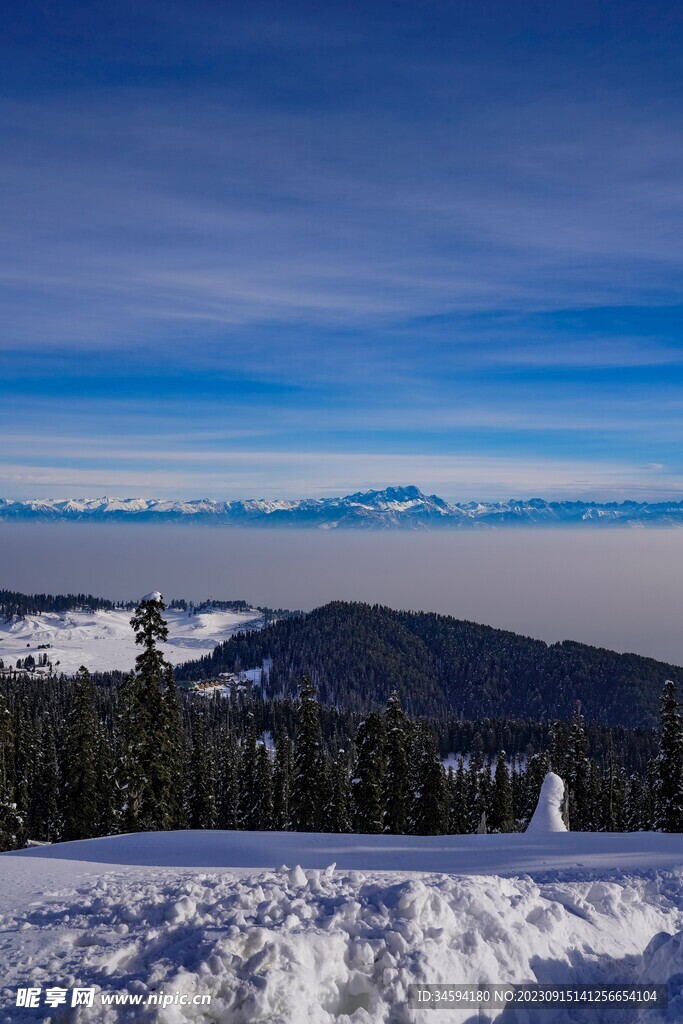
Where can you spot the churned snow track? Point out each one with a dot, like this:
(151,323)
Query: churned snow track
(326,942)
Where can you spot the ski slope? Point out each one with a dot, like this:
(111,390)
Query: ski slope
(104,640)
(292,928)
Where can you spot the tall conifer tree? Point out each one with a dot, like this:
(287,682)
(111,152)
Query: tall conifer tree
(367,787)
(282,781)
(431,808)
(578,777)
(396,781)
(339,815)
(669,764)
(501,814)
(80,795)
(305,807)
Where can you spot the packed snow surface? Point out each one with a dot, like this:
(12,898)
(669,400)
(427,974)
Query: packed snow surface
(548,814)
(291,928)
(104,640)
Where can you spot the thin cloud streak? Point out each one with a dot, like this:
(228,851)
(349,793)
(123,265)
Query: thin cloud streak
(411,232)
(300,474)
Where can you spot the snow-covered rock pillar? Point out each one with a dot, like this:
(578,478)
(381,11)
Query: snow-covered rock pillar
(548,814)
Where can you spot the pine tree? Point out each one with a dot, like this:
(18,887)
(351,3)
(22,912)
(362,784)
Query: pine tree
(80,787)
(459,819)
(593,821)
(24,754)
(637,817)
(106,820)
(339,814)
(578,776)
(6,748)
(304,804)
(161,787)
(431,803)
(476,792)
(45,819)
(396,782)
(202,799)
(132,742)
(325,792)
(150,629)
(501,817)
(11,825)
(559,750)
(150,762)
(367,786)
(170,756)
(229,788)
(263,806)
(249,795)
(11,822)
(669,764)
(282,780)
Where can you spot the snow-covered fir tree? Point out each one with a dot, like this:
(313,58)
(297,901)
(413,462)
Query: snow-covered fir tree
(79,796)
(501,813)
(230,767)
(431,799)
(578,776)
(282,780)
(367,785)
(396,781)
(305,805)
(669,764)
(262,814)
(249,795)
(45,820)
(202,789)
(11,821)
(338,817)
(459,813)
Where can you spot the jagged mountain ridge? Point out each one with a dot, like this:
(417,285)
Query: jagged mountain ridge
(390,508)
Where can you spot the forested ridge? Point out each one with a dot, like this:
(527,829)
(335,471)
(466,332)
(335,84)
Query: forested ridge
(15,604)
(358,654)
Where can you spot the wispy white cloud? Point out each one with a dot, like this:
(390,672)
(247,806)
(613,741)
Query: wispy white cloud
(343,233)
(305,473)
(137,211)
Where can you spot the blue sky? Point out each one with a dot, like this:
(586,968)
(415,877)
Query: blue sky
(290,249)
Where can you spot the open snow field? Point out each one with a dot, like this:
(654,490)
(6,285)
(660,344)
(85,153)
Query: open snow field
(104,640)
(343,926)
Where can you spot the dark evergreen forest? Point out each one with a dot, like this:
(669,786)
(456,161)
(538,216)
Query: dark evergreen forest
(91,756)
(358,654)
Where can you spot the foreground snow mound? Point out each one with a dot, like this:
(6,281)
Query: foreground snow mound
(316,947)
(662,964)
(548,814)
(503,854)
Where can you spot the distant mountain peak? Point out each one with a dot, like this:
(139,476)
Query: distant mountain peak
(392,507)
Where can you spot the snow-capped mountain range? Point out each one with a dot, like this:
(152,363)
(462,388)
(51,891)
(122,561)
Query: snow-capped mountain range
(391,508)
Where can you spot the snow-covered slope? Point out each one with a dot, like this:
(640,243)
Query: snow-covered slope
(390,508)
(209,913)
(104,640)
